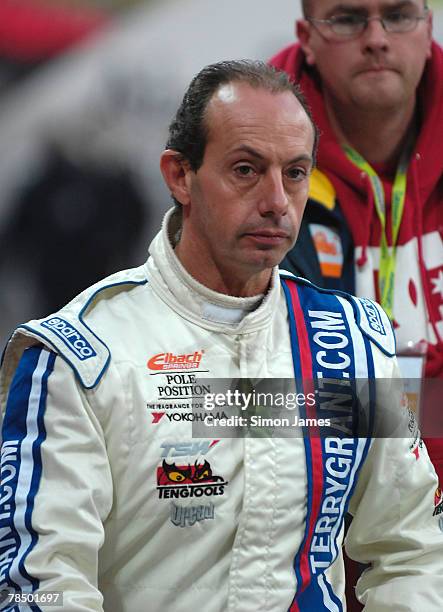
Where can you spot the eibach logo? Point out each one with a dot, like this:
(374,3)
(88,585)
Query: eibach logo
(178,481)
(169,361)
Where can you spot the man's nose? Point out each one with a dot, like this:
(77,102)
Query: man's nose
(375,36)
(274,198)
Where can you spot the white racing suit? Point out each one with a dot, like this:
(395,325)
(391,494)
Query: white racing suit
(108,498)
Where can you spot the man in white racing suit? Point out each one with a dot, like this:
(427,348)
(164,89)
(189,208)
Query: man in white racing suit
(108,499)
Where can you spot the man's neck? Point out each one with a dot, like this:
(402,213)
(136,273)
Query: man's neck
(379,137)
(228,282)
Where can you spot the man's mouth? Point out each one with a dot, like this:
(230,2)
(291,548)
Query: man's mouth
(376,68)
(269,237)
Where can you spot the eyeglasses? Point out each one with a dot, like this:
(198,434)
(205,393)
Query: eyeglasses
(352,25)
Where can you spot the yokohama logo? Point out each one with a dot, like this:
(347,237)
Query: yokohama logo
(169,361)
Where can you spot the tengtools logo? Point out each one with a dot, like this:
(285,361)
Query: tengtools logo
(179,481)
(169,361)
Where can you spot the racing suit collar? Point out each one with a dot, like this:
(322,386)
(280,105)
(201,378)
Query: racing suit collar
(199,303)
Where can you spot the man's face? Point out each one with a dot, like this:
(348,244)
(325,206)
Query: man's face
(377,70)
(247,199)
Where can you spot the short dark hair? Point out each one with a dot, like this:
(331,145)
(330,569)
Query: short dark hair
(188,131)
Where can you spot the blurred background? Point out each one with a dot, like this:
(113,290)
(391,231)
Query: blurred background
(87,89)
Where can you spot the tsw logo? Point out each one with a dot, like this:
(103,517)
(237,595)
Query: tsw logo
(73,339)
(187,449)
(169,361)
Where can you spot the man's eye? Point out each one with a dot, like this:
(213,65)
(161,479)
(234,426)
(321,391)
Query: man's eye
(296,174)
(347,20)
(397,17)
(244,170)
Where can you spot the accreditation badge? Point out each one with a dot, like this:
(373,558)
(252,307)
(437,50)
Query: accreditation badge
(329,249)
(412,368)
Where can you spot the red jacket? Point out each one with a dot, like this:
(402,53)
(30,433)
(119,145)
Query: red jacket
(418,294)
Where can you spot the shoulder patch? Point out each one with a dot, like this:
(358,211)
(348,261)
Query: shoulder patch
(321,189)
(67,333)
(370,317)
(68,336)
(374,323)
(75,341)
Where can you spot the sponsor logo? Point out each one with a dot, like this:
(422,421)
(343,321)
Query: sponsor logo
(415,448)
(187,449)
(186,517)
(184,392)
(9,539)
(438,502)
(177,391)
(187,417)
(332,348)
(373,316)
(73,339)
(340,457)
(183,481)
(169,361)
(417,442)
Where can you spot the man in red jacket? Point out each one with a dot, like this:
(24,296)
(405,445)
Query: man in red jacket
(374,222)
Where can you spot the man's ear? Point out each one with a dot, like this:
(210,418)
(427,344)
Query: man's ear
(303,33)
(176,174)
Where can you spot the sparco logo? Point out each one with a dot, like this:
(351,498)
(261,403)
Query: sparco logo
(373,315)
(169,361)
(71,337)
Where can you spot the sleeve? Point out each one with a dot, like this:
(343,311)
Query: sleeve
(396,529)
(56,486)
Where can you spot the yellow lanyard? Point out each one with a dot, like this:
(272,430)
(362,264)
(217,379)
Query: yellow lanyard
(386,275)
